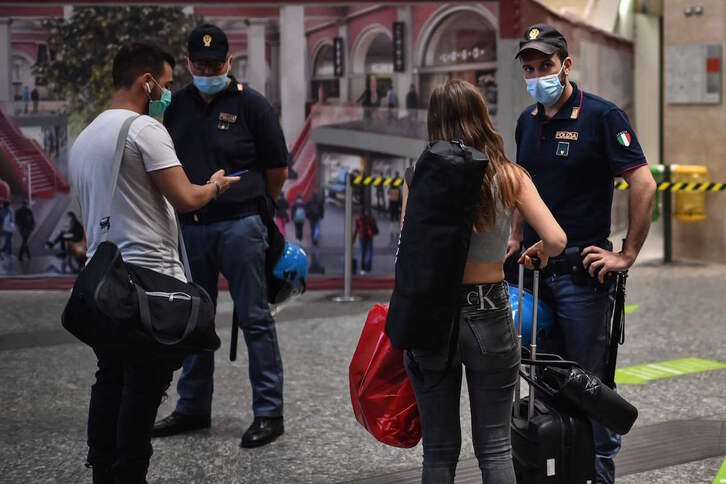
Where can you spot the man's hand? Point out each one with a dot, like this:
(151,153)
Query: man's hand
(606,261)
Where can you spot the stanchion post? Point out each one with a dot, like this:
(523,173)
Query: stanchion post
(348,244)
(348,268)
(30,184)
(667,219)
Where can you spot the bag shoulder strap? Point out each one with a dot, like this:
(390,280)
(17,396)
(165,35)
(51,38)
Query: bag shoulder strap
(118,155)
(105,222)
(183,250)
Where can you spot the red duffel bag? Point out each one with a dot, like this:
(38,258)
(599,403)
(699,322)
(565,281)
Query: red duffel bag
(382,396)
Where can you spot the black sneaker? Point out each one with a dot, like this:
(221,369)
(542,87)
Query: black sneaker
(178,423)
(262,431)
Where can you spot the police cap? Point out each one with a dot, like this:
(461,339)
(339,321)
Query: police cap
(543,38)
(207,42)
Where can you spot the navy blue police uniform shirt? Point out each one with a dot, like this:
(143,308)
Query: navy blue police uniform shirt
(573,159)
(237,130)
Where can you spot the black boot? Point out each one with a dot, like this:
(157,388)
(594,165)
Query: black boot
(262,431)
(178,423)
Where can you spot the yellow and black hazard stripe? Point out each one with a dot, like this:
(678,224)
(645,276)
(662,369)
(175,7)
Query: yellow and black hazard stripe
(377,180)
(681,187)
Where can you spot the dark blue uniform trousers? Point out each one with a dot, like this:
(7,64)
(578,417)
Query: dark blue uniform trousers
(581,334)
(236,248)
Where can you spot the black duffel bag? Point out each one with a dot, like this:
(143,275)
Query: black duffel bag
(125,309)
(567,385)
(432,251)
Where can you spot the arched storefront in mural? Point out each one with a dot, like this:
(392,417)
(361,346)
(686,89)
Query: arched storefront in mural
(460,43)
(21,73)
(372,59)
(324,74)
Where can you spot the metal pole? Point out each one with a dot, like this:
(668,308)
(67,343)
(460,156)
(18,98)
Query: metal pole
(667,198)
(667,220)
(348,274)
(348,243)
(30,186)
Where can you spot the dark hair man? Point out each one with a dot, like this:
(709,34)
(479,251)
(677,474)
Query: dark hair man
(217,123)
(573,144)
(151,184)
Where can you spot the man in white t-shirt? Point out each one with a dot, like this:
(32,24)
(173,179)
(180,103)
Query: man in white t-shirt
(151,185)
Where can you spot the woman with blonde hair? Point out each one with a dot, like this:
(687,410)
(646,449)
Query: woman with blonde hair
(487,345)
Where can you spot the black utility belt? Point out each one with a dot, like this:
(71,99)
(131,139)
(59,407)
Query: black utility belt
(221,212)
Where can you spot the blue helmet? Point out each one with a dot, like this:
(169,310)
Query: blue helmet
(289,273)
(545,315)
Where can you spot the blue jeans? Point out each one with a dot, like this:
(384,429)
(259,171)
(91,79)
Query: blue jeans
(366,254)
(581,334)
(315,231)
(236,248)
(488,348)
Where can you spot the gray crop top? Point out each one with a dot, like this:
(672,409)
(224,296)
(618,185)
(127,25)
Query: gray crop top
(491,245)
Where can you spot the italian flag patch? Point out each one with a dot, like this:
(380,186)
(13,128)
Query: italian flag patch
(624,138)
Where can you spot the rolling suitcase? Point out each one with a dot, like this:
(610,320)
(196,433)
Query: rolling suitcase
(549,445)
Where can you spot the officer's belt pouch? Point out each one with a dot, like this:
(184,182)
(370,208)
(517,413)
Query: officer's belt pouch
(116,307)
(573,259)
(574,262)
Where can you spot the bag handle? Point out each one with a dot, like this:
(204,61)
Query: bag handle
(105,222)
(145,313)
(552,363)
(542,387)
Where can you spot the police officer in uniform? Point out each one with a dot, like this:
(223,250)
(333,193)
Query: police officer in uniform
(573,144)
(217,123)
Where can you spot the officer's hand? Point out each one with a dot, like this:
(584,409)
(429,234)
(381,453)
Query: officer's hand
(512,247)
(537,250)
(224,181)
(598,258)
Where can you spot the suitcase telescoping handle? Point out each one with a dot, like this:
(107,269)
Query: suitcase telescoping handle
(520,297)
(533,344)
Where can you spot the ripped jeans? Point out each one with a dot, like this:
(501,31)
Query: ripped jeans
(488,348)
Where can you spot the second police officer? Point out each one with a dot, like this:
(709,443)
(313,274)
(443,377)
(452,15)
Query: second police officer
(217,123)
(573,144)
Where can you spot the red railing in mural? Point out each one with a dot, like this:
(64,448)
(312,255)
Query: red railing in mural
(26,156)
(304,151)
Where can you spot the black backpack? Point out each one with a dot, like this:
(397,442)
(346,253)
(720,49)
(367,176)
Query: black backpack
(434,243)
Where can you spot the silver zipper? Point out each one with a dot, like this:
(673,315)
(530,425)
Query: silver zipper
(171,295)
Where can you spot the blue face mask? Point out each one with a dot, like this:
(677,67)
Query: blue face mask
(211,85)
(158,106)
(546,89)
